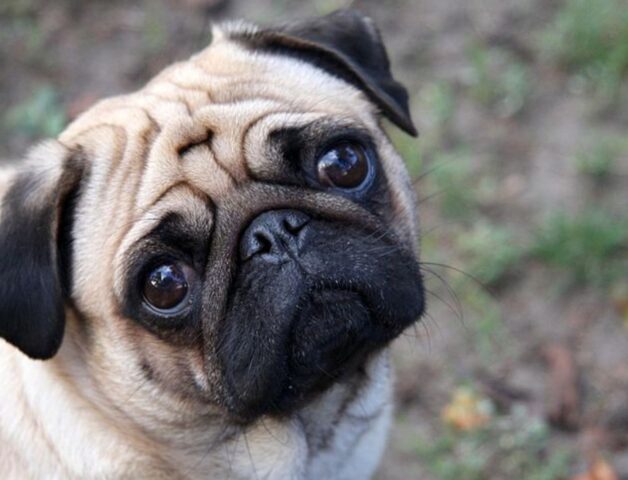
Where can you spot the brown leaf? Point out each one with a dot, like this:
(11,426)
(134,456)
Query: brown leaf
(599,470)
(466,411)
(619,296)
(563,397)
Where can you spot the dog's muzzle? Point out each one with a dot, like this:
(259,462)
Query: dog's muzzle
(311,300)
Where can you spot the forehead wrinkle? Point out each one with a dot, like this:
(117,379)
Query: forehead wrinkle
(228,124)
(256,138)
(282,75)
(196,165)
(163,166)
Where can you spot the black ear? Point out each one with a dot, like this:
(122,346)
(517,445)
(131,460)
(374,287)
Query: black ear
(31,284)
(347,45)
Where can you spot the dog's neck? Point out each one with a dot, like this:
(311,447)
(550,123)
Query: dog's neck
(55,412)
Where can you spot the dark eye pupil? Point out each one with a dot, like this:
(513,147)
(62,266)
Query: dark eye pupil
(165,287)
(345,166)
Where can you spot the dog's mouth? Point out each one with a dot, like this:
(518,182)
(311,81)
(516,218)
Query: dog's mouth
(297,326)
(329,337)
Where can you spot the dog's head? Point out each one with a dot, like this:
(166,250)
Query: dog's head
(239,233)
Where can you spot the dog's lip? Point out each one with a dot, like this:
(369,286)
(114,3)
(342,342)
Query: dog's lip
(335,341)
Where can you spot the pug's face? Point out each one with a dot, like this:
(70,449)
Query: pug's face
(235,237)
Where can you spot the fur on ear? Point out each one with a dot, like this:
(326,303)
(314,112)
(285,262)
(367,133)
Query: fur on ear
(31,278)
(346,44)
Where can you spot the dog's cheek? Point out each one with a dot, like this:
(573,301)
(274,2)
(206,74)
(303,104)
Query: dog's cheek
(151,371)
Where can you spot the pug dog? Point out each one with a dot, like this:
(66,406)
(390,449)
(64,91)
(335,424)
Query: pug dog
(200,279)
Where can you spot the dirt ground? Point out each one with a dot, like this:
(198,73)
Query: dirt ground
(520,368)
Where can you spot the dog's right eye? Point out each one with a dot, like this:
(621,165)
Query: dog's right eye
(346,166)
(166,286)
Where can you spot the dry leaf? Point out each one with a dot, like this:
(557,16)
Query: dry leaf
(563,397)
(619,297)
(599,470)
(466,411)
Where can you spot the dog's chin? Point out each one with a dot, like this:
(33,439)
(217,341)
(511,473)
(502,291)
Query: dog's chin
(328,337)
(328,330)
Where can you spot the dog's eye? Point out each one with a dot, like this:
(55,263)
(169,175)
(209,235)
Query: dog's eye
(166,286)
(346,166)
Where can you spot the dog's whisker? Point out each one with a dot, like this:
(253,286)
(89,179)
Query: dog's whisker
(457,270)
(248,449)
(458,313)
(448,288)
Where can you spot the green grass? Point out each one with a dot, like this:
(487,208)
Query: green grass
(590,38)
(490,252)
(598,161)
(591,247)
(498,80)
(17,8)
(483,320)
(27,39)
(511,446)
(451,176)
(41,115)
(410,150)
(440,101)
(324,7)
(154,33)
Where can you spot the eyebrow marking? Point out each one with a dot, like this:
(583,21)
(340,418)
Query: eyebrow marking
(245,133)
(309,118)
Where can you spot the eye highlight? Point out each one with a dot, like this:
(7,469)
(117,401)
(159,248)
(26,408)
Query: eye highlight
(346,166)
(166,286)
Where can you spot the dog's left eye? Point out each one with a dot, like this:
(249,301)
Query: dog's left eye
(346,166)
(166,286)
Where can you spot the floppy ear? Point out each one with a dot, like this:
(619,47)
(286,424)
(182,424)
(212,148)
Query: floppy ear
(347,45)
(31,278)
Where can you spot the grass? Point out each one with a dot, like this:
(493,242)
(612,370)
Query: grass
(490,252)
(27,38)
(516,445)
(154,33)
(440,101)
(451,176)
(325,7)
(17,8)
(590,247)
(488,337)
(410,150)
(598,161)
(590,38)
(41,115)
(498,80)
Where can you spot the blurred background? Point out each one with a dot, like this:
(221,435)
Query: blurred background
(520,368)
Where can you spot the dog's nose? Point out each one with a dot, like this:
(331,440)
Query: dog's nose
(273,235)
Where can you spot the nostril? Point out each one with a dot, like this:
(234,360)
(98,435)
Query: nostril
(263,243)
(255,242)
(293,222)
(273,235)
